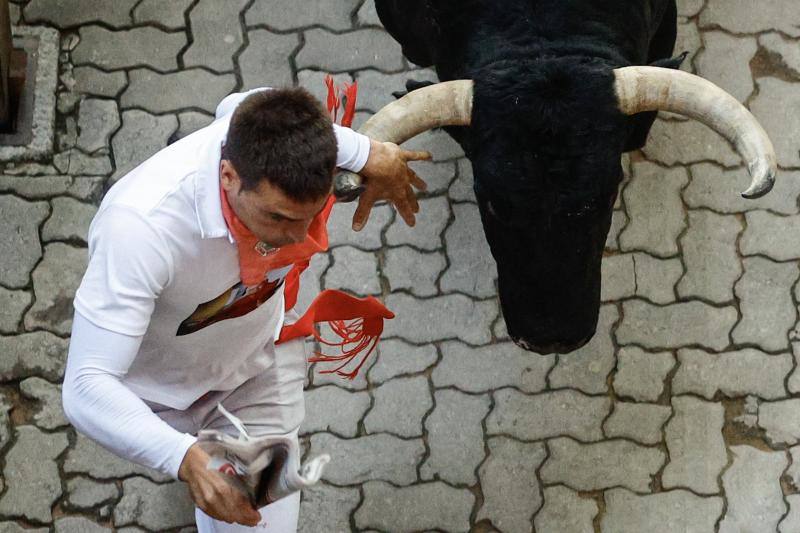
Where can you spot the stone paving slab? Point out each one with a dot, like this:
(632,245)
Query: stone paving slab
(68,13)
(438,507)
(399,407)
(477,370)
(509,475)
(653,202)
(696,448)
(264,62)
(548,415)
(709,251)
(20,255)
(455,437)
(655,327)
(153,505)
(665,512)
(31,474)
(216,36)
(170,15)
(774,120)
(679,415)
(725,60)
(601,465)
(734,374)
(641,375)
(564,510)
(198,88)
(113,50)
(327,508)
(587,368)
(755,499)
(715,188)
(12,305)
(641,422)
(737,16)
(382,456)
(768,312)
(358,49)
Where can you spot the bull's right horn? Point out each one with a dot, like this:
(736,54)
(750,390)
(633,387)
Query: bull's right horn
(653,88)
(443,104)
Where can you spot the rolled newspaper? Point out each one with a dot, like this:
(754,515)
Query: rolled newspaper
(266,468)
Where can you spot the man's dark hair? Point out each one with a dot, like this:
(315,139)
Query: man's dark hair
(283,136)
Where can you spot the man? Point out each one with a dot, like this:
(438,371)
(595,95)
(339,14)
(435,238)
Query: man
(177,311)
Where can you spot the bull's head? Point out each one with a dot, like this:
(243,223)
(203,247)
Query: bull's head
(546,187)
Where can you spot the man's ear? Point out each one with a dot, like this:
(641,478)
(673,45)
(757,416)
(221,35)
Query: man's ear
(670,62)
(228,177)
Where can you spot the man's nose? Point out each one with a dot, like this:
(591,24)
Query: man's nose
(298,232)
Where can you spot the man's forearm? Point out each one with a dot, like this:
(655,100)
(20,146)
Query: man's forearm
(104,409)
(354,149)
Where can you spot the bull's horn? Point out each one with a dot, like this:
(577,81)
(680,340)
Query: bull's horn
(652,88)
(443,104)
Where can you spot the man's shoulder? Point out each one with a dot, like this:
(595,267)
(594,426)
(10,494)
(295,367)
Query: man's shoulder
(168,181)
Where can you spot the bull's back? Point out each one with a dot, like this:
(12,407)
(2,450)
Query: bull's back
(450,33)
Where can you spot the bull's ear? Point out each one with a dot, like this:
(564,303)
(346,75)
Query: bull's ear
(411,24)
(412,85)
(671,62)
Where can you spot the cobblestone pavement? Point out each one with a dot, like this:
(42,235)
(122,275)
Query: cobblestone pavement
(682,414)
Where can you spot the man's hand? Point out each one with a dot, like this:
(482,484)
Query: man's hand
(215,496)
(387,176)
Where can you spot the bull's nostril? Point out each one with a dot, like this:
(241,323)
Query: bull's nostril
(538,347)
(550,347)
(522,343)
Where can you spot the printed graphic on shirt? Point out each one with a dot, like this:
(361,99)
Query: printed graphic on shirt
(235,302)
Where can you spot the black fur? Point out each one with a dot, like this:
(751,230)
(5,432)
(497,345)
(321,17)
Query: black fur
(546,136)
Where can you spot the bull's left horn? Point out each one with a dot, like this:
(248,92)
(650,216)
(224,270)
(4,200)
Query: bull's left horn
(653,88)
(443,104)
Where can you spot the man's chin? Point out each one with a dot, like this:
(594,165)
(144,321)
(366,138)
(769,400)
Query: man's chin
(264,246)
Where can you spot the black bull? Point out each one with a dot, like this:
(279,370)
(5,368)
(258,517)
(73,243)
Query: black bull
(545,139)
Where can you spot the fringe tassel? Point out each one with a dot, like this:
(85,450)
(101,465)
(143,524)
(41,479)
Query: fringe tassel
(338,97)
(358,322)
(363,333)
(333,99)
(350,96)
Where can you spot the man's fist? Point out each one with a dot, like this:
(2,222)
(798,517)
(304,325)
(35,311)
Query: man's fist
(212,493)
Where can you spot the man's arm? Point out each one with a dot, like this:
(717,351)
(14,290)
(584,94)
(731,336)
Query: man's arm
(353,148)
(98,404)
(129,266)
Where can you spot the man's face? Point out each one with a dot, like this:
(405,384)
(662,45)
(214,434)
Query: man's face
(267,212)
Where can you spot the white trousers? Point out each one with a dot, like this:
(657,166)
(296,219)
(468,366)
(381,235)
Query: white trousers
(278,517)
(268,404)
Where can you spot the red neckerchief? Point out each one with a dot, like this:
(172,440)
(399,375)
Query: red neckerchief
(367,314)
(252,265)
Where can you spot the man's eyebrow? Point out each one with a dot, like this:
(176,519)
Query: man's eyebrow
(277,213)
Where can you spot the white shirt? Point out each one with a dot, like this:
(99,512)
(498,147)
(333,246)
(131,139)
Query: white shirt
(161,263)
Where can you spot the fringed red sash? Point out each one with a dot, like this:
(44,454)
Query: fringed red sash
(336,307)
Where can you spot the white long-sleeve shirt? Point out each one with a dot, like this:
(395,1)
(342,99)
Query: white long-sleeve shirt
(161,263)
